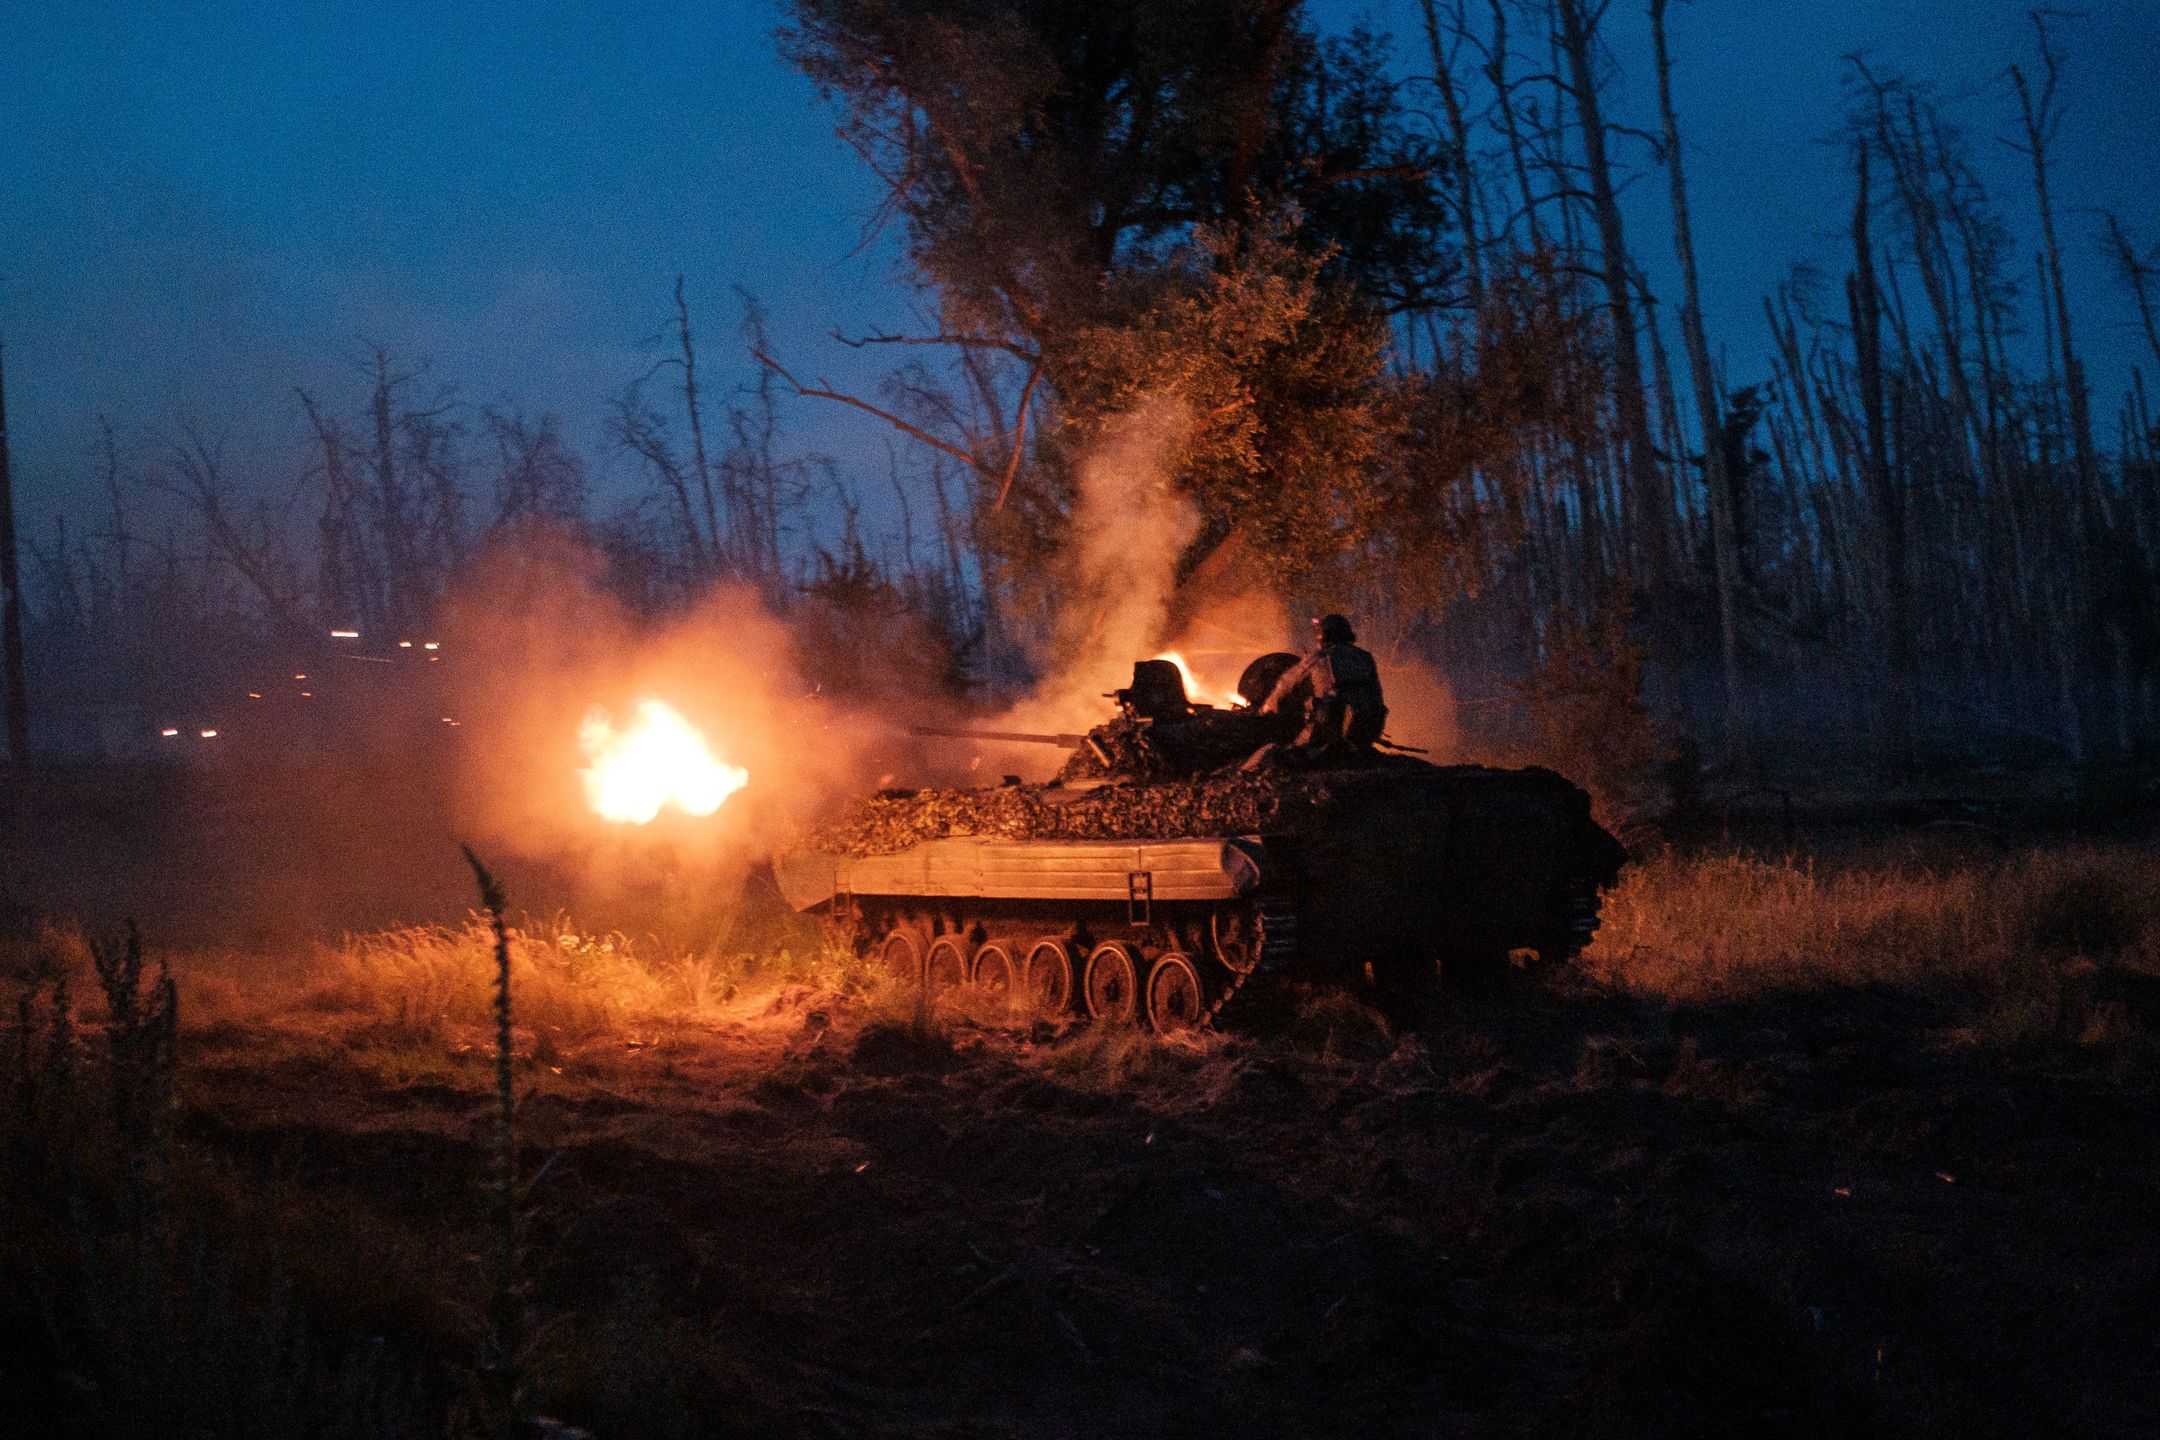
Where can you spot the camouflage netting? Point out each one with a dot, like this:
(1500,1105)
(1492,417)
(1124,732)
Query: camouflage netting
(1207,742)
(1236,803)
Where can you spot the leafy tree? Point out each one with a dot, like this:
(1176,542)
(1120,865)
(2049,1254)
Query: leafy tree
(1283,374)
(1132,199)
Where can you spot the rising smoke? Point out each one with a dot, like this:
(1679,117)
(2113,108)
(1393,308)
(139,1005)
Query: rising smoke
(1129,526)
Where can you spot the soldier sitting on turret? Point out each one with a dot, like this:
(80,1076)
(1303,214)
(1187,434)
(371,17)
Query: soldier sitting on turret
(1346,709)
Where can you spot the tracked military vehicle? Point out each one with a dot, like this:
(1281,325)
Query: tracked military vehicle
(1185,849)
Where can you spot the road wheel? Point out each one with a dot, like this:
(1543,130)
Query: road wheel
(1174,998)
(996,974)
(1046,977)
(1112,983)
(1235,938)
(901,953)
(945,967)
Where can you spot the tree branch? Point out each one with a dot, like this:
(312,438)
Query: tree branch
(826,393)
(1019,448)
(977,342)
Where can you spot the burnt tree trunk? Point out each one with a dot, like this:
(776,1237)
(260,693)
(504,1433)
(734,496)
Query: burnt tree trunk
(2137,273)
(1459,142)
(1650,518)
(1724,533)
(722,551)
(1865,302)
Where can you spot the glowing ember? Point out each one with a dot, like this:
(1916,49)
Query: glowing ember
(658,760)
(1198,692)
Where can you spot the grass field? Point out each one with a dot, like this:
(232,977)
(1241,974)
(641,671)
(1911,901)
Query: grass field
(1859,1146)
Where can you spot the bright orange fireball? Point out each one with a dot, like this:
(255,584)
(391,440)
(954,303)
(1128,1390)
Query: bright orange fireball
(658,760)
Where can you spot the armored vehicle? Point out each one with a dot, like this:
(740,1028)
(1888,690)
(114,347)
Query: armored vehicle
(1185,849)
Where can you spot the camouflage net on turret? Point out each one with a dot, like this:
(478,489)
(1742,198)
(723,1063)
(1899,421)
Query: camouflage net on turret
(1230,804)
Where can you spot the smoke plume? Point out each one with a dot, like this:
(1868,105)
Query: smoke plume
(1129,524)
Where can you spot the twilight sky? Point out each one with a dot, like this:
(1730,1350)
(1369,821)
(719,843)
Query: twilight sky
(206,204)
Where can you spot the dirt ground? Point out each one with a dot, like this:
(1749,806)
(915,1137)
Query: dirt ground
(1569,1215)
(1570,1209)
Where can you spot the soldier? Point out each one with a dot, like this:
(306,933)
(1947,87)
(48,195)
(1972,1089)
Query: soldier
(1346,707)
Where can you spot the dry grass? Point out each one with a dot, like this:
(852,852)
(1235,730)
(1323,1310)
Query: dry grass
(2046,942)
(427,981)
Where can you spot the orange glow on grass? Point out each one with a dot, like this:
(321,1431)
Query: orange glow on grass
(658,760)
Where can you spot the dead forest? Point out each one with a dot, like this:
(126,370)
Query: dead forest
(1395,280)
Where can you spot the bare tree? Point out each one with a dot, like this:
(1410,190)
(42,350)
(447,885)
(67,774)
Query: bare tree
(346,586)
(1496,73)
(1864,302)
(642,430)
(1724,534)
(718,546)
(1463,171)
(537,474)
(2137,271)
(192,470)
(1648,499)
(2042,120)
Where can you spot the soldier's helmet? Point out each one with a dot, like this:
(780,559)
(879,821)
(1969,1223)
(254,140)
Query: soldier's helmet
(1335,630)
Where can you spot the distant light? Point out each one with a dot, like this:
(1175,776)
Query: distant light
(169,731)
(434,657)
(344,634)
(299,677)
(305,694)
(432,645)
(404,644)
(208,734)
(254,694)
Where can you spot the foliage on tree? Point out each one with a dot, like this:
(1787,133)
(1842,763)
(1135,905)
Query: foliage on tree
(1204,200)
(1282,372)
(1032,147)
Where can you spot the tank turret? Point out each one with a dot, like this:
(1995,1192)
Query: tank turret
(1161,733)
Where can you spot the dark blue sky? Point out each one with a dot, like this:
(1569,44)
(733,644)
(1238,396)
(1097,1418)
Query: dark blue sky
(207,204)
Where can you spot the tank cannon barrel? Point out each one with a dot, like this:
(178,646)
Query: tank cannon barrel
(1018,737)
